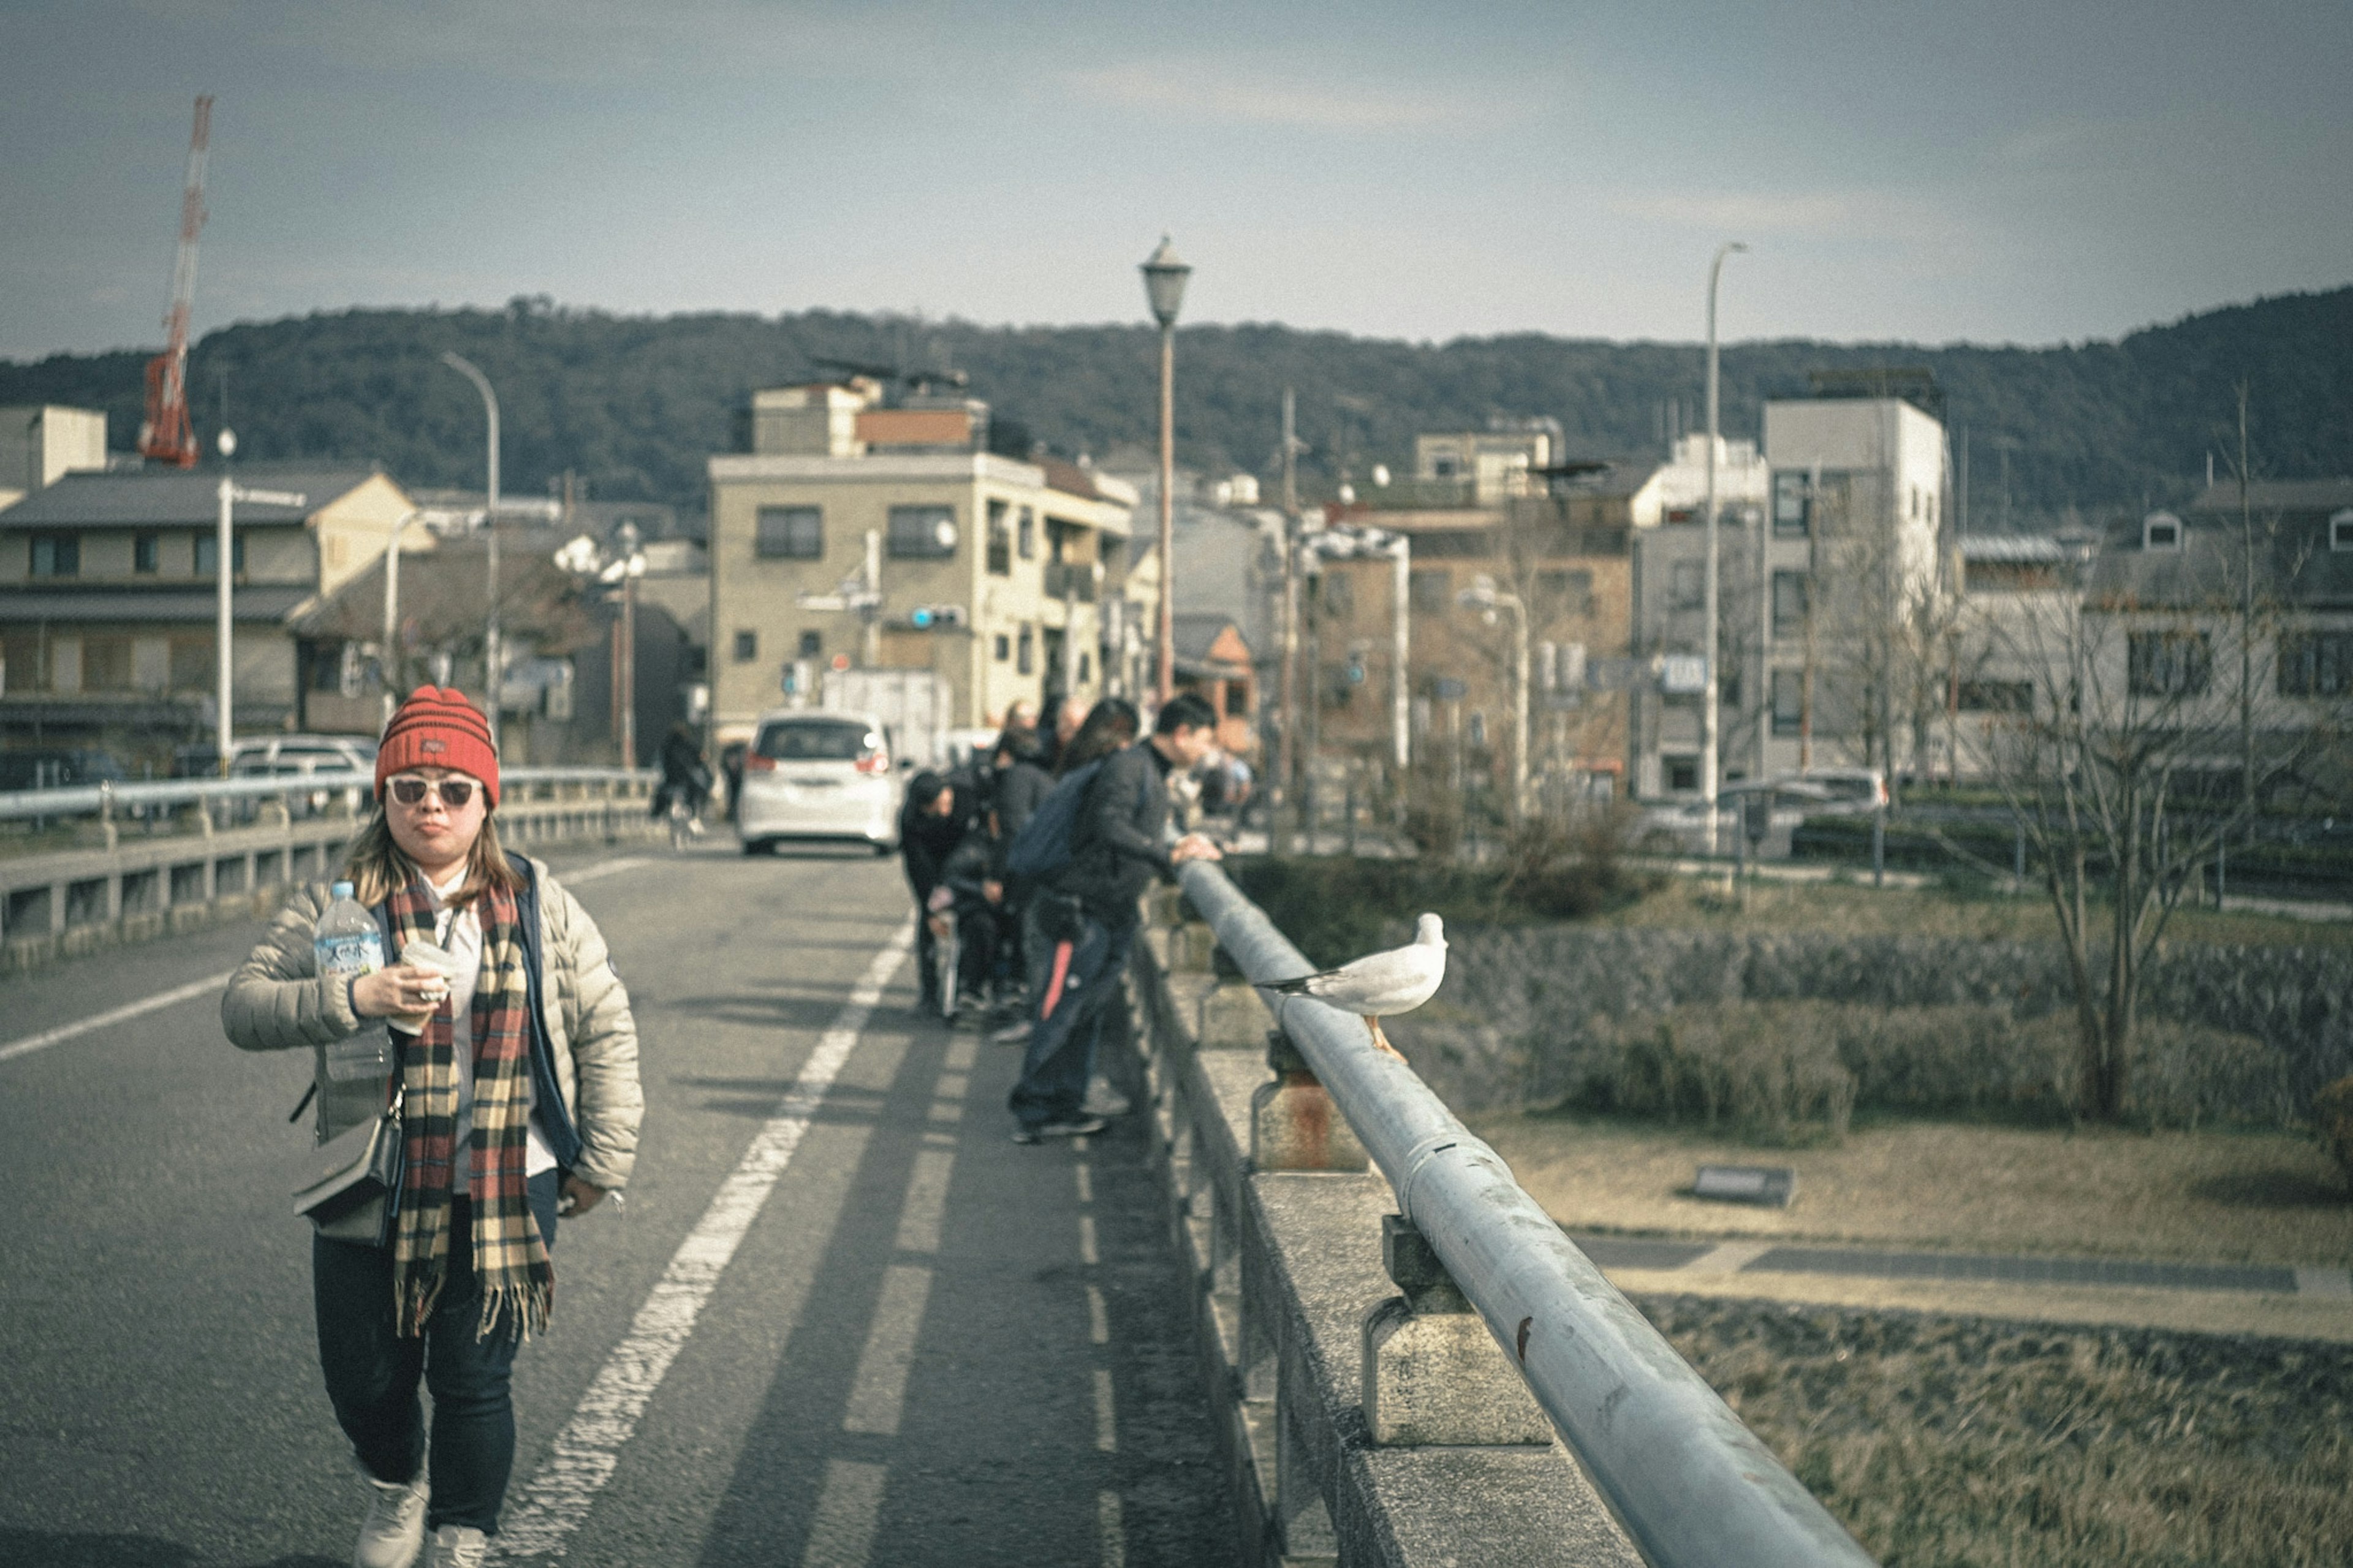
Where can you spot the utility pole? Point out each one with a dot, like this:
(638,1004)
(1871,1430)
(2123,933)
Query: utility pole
(1286,737)
(2246,625)
(1711,700)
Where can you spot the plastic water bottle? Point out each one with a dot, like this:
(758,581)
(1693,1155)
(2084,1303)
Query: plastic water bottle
(349,944)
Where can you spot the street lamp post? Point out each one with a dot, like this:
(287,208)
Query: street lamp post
(493,675)
(224,562)
(1482,594)
(1711,700)
(1164,289)
(625,652)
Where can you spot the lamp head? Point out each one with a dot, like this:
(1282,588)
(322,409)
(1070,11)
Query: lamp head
(226,442)
(1163,283)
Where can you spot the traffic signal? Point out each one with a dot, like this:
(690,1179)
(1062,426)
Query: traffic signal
(926,618)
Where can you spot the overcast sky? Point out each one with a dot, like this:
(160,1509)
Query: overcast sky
(1979,170)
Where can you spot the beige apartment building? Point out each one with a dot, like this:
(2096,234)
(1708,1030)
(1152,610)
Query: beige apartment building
(858,535)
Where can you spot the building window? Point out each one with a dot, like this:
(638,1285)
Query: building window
(1792,506)
(1995,697)
(921,533)
(191,665)
(2170,664)
(2340,531)
(747,646)
(1086,667)
(208,554)
(1569,591)
(2160,530)
(1028,661)
(1335,596)
(1689,585)
(1682,772)
(812,644)
(144,554)
(1003,648)
(2315,664)
(789,534)
(1789,701)
(1788,603)
(1029,534)
(57,555)
(1427,592)
(1000,540)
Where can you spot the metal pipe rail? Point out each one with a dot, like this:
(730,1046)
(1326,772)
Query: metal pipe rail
(1693,1487)
(104,799)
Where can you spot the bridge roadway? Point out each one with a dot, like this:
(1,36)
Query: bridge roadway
(842,1318)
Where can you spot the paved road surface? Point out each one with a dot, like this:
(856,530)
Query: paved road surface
(842,1320)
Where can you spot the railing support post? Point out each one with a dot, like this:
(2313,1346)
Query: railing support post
(1294,1126)
(1432,1374)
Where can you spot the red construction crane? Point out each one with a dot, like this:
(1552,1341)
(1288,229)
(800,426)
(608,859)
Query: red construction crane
(165,435)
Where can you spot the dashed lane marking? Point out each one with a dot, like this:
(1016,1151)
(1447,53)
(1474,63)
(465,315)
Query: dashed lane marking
(588,1449)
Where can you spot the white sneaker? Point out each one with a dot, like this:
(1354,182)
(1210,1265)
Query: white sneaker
(394,1531)
(1104,1100)
(1012,1033)
(459,1546)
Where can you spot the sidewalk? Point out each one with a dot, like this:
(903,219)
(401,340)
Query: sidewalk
(2299,1303)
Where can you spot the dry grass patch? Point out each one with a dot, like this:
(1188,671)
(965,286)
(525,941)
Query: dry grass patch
(1946,1441)
(1844,909)
(2223,1197)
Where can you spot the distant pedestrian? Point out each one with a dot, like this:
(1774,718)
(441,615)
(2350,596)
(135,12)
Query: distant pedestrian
(1068,715)
(1087,910)
(1021,785)
(686,777)
(932,821)
(518,1070)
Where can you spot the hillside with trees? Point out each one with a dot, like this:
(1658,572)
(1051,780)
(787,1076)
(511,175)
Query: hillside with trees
(634,405)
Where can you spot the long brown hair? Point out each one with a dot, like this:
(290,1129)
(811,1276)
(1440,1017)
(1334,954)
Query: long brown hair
(378,869)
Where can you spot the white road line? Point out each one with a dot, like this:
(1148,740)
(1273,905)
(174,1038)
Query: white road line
(1728,1256)
(842,1534)
(878,1391)
(604,869)
(588,1448)
(927,1201)
(215,983)
(962,1051)
(1114,1533)
(1086,1181)
(1107,1414)
(1087,1253)
(1098,1317)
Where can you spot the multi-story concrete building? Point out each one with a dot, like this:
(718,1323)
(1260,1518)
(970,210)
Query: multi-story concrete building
(856,533)
(1862,582)
(1490,465)
(108,585)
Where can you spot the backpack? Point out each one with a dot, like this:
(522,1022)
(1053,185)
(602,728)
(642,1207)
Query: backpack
(1042,847)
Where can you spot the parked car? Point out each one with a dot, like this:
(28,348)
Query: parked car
(819,775)
(59,768)
(346,761)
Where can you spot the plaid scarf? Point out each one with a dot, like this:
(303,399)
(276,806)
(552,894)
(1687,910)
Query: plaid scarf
(510,1264)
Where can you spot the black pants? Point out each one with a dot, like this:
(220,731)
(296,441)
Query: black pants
(373,1374)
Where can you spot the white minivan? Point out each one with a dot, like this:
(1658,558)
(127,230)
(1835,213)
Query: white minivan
(810,773)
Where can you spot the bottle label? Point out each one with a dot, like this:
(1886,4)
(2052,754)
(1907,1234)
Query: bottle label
(362,953)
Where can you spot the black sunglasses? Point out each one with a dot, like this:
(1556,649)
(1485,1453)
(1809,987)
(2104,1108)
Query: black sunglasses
(454,792)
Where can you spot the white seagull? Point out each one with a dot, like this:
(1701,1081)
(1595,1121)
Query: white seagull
(1380,985)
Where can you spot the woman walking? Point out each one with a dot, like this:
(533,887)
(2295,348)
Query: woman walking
(517,1060)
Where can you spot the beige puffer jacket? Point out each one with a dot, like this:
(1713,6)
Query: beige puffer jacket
(276,1001)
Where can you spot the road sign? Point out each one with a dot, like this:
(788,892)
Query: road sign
(1683,674)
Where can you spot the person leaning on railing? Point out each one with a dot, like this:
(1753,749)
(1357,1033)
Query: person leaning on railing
(1087,909)
(511,1115)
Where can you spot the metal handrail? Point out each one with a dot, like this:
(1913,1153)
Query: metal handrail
(107,798)
(1692,1485)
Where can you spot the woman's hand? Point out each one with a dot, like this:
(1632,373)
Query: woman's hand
(578,1198)
(405,993)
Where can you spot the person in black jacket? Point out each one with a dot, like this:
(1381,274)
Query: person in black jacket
(1088,910)
(934,818)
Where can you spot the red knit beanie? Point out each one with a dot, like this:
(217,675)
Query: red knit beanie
(438,728)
